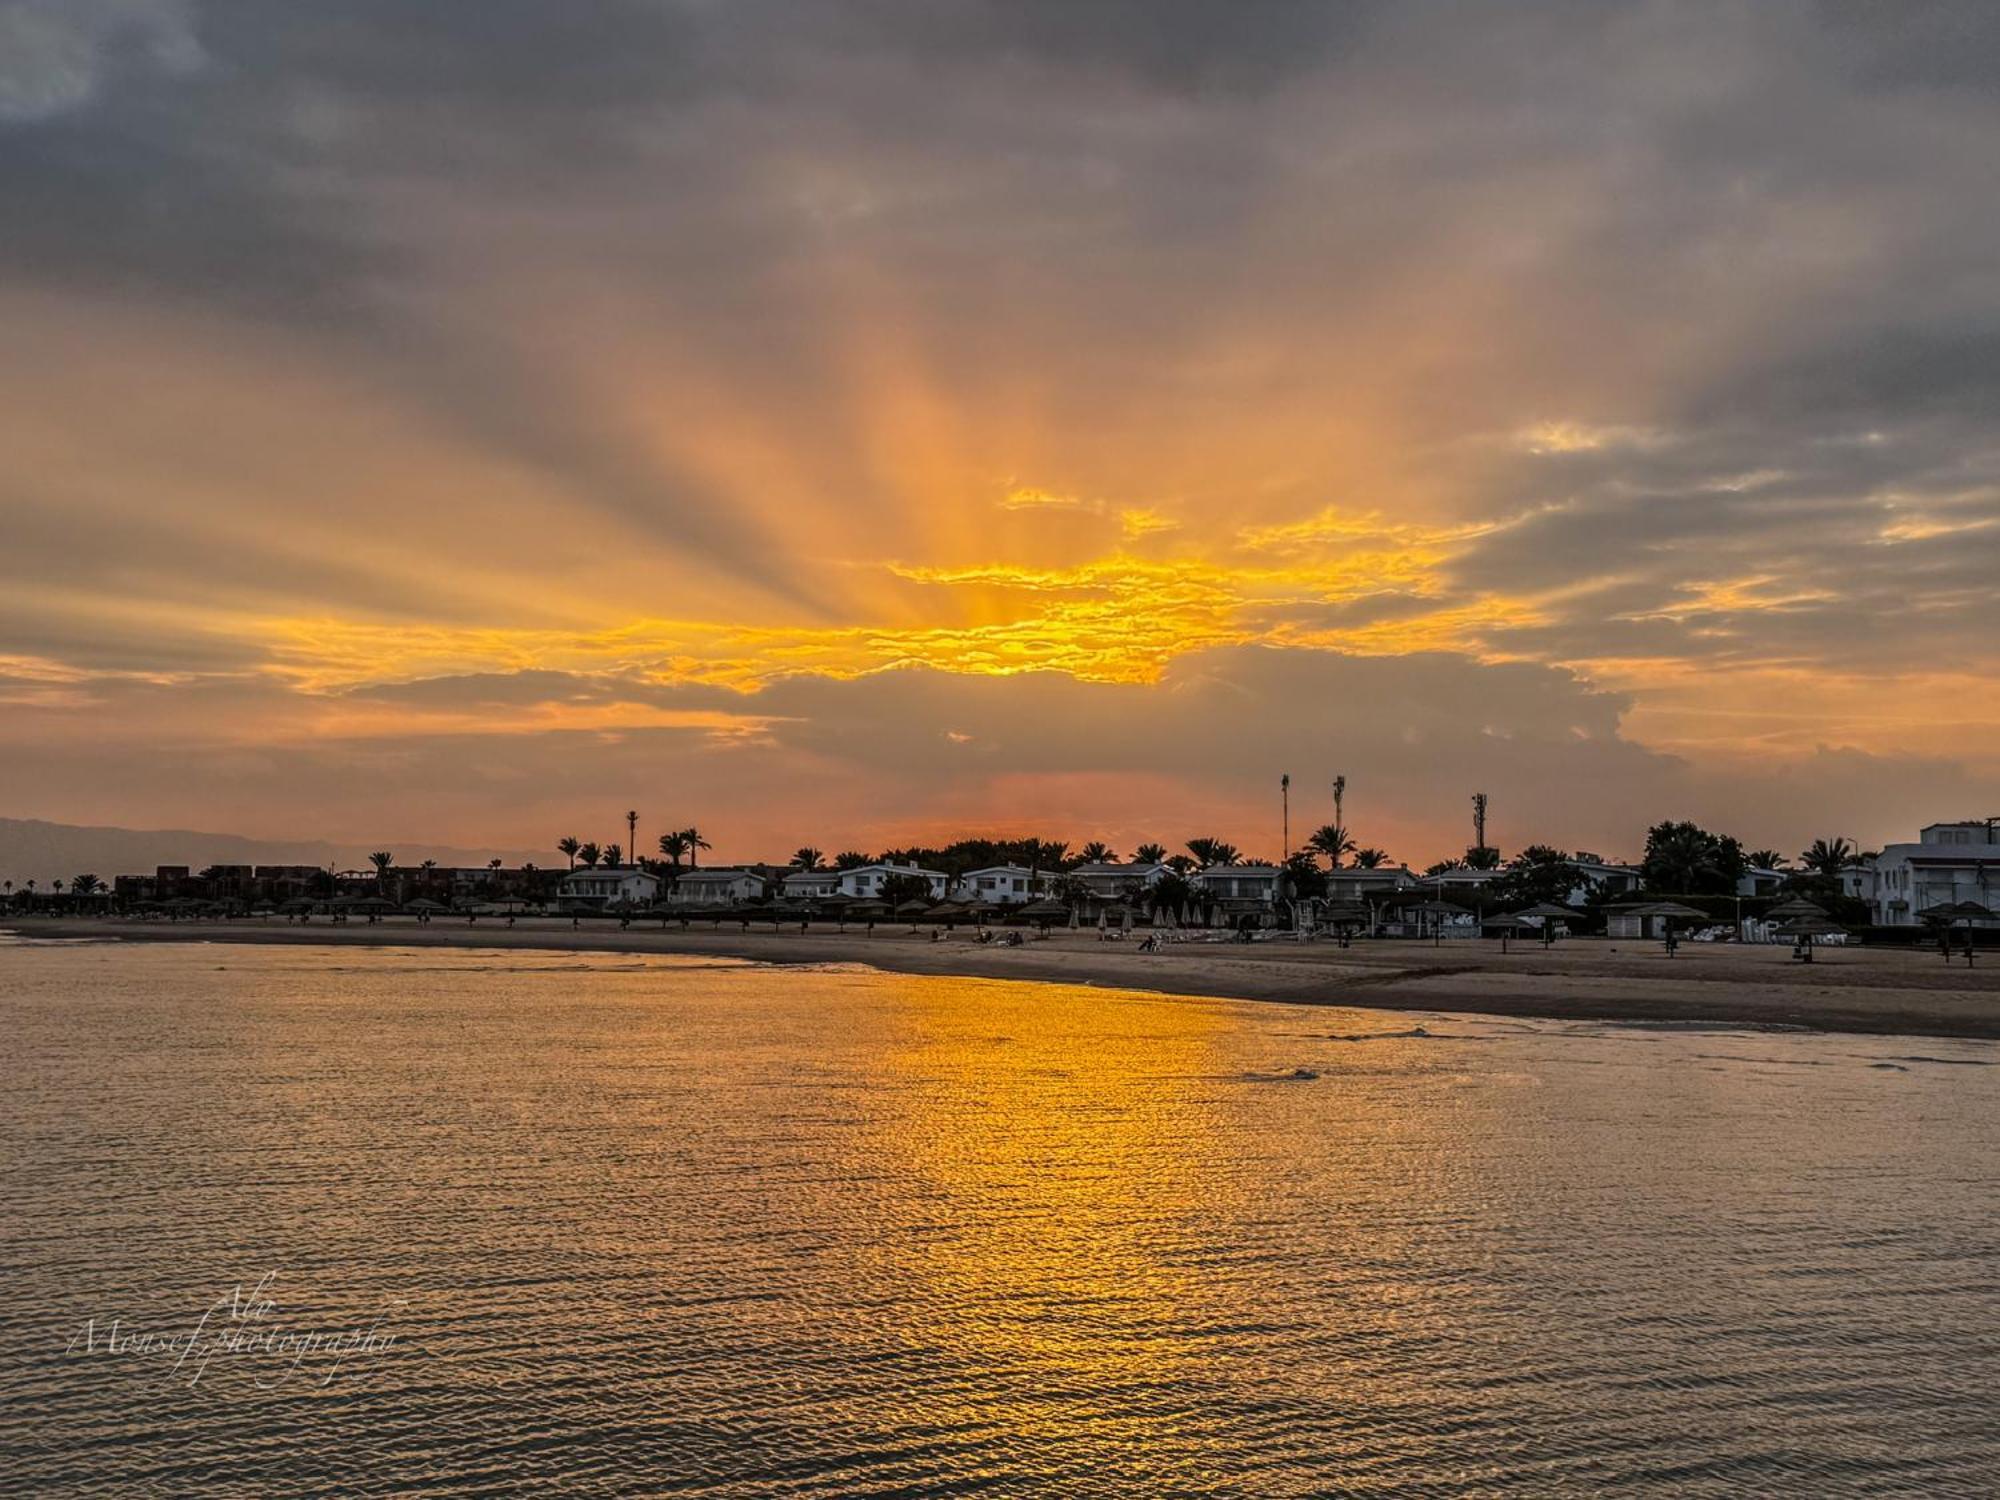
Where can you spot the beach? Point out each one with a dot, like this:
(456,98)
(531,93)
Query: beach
(1878,990)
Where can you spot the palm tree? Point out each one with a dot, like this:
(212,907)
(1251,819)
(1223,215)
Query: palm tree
(808,858)
(429,868)
(85,885)
(852,859)
(381,859)
(1766,859)
(612,854)
(588,853)
(1213,851)
(1150,854)
(695,844)
(1333,841)
(1828,857)
(674,845)
(1097,852)
(1370,858)
(569,846)
(632,832)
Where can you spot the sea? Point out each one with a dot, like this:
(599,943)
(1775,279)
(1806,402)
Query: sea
(339,1221)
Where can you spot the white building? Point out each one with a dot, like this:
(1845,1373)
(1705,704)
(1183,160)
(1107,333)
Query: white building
(867,881)
(1010,885)
(1351,884)
(810,885)
(1243,891)
(1595,876)
(1758,881)
(1115,882)
(605,885)
(720,887)
(1949,863)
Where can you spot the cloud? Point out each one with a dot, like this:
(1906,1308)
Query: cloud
(674,348)
(56,55)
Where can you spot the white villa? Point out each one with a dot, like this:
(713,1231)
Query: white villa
(1351,884)
(1950,863)
(810,885)
(1595,875)
(1113,881)
(1243,890)
(608,884)
(720,887)
(1007,885)
(866,881)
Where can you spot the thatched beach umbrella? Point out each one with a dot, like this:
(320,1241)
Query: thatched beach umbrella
(1547,914)
(1670,912)
(1797,906)
(1042,913)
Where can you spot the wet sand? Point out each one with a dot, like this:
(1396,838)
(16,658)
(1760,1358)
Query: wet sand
(1910,991)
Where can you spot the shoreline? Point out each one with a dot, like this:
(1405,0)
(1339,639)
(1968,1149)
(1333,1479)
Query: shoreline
(1869,991)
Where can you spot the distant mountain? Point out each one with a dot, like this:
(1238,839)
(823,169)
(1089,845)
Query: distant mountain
(33,850)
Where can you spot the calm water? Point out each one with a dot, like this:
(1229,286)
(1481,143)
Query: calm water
(658,1227)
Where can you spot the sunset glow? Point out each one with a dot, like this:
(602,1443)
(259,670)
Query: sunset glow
(645,445)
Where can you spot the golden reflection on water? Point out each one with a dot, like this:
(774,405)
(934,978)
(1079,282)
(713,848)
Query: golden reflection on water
(754,1232)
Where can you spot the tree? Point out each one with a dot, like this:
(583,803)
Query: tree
(381,859)
(1150,854)
(1482,857)
(1213,852)
(1097,852)
(695,844)
(589,854)
(808,858)
(1305,879)
(1333,841)
(852,859)
(674,845)
(1180,864)
(1540,872)
(1173,893)
(1446,866)
(569,846)
(896,889)
(1043,854)
(85,886)
(491,864)
(1828,857)
(1686,859)
(612,855)
(429,867)
(1767,859)
(1370,858)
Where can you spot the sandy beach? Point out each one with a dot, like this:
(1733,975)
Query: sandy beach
(1910,991)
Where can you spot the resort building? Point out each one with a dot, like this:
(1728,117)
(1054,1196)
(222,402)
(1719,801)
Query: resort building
(1003,885)
(1951,864)
(608,885)
(1243,895)
(1116,882)
(1597,876)
(1348,884)
(1757,881)
(719,887)
(866,882)
(810,885)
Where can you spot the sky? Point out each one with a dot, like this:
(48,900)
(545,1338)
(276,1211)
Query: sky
(853,424)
